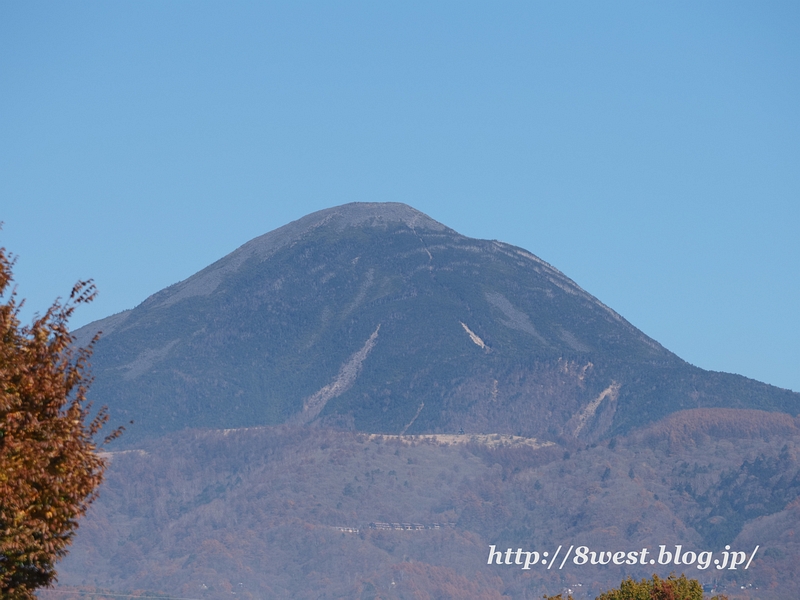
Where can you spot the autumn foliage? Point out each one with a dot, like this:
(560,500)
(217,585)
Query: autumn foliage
(49,465)
(671,588)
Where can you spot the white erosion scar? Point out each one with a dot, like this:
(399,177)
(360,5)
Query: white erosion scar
(341,383)
(591,408)
(475,339)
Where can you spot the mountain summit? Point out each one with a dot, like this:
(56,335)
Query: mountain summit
(375,317)
(372,214)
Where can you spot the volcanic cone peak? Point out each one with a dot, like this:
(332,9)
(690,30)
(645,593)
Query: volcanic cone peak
(371,214)
(338,218)
(375,317)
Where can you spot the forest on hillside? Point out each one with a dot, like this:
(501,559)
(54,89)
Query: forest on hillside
(292,511)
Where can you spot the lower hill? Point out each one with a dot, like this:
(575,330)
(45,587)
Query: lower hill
(299,512)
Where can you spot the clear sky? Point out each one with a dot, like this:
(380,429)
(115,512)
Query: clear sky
(650,151)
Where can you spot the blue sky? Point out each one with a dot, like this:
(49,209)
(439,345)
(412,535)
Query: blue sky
(649,151)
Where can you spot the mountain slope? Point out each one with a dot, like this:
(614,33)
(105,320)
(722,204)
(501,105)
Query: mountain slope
(293,512)
(377,318)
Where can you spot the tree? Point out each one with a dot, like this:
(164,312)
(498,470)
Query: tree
(49,465)
(671,588)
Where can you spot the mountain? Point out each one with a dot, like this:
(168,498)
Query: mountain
(362,403)
(374,317)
